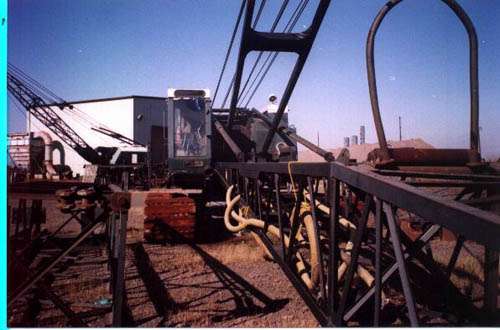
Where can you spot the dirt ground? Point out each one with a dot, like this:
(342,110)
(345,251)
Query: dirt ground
(224,284)
(217,285)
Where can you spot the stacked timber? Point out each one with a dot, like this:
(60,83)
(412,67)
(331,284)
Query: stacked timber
(164,211)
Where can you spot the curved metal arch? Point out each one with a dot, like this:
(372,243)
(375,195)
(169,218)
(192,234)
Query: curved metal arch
(473,76)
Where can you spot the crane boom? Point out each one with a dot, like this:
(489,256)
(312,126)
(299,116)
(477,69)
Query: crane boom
(36,106)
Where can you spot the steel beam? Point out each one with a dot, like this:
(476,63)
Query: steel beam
(479,225)
(403,274)
(240,156)
(41,273)
(475,224)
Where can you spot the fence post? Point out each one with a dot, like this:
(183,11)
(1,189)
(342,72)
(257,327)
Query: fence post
(22,216)
(120,204)
(36,216)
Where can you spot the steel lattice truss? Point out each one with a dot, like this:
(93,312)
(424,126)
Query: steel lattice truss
(274,193)
(49,118)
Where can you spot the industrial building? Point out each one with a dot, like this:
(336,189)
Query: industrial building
(135,117)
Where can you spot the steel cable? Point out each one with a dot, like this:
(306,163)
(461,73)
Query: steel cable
(228,52)
(275,54)
(293,19)
(34,82)
(273,27)
(31,86)
(79,117)
(48,96)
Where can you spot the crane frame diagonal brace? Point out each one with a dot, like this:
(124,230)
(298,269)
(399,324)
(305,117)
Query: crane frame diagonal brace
(299,43)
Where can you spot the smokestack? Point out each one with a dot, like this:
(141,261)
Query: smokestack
(400,134)
(346,142)
(362,134)
(354,140)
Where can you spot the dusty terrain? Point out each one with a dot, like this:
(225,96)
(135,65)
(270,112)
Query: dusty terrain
(224,284)
(207,285)
(217,285)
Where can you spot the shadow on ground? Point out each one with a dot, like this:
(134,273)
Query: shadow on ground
(222,294)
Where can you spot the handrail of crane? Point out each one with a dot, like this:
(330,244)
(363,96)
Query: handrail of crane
(473,223)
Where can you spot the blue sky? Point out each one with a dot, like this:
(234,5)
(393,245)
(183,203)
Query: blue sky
(85,49)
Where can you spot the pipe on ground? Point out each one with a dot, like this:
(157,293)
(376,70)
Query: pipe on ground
(48,148)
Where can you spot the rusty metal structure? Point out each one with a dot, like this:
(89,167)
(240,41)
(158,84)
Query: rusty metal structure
(92,210)
(327,224)
(333,227)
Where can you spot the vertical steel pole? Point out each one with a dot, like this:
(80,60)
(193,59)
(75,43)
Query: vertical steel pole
(378,266)
(259,204)
(278,210)
(120,204)
(125,180)
(405,283)
(294,224)
(334,191)
(9,245)
(400,133)
(17,220)
(119,280)
(318,239)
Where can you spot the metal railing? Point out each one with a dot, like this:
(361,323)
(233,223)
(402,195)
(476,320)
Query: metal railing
(110,211)
(352,210)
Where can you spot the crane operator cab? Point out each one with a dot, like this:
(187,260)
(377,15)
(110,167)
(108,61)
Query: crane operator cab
(189,129)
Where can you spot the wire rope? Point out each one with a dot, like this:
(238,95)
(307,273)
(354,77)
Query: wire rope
(56,103)
(297,13)
(275,55)
(273,27)
(257,60)
(228,52)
